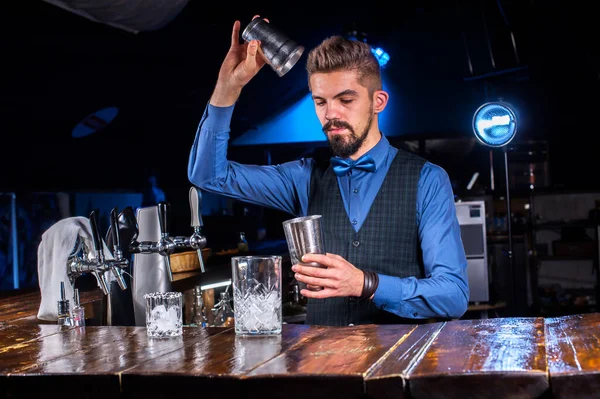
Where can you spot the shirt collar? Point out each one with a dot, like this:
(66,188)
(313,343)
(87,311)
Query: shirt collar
(380,151)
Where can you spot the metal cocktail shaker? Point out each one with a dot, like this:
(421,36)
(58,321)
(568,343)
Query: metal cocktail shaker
(281,52)
(303,235)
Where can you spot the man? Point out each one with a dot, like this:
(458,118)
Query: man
(394,248)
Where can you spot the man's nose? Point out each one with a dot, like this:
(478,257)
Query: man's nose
(332,113)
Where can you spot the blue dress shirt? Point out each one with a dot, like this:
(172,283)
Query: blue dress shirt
(444,291)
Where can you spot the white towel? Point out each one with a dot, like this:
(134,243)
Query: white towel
(57,244)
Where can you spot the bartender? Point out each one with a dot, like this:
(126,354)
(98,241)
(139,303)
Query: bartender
(395,253)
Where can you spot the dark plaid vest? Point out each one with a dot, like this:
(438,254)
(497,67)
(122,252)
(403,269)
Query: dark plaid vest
(386,243)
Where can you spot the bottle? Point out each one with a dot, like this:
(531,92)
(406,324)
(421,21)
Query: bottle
(199,318)
(242,243)
(64,315)
(223,312)
(78,312)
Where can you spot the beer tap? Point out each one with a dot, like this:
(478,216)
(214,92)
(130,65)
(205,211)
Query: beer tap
(80,262)
(118,263)
(167,244)
(100,266)
(197,240)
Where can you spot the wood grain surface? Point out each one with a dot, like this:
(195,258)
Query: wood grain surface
(488,358)
(573,348)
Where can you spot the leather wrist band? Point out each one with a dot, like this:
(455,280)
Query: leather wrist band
(371,282)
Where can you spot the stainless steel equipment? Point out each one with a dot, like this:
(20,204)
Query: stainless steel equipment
(281,52)
(153,247)
(471,218)
(150,248)
(303,236)
(80,262)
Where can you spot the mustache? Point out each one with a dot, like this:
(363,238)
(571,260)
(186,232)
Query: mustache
(336,123)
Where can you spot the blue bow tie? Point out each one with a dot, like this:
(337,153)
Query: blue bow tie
(343,166)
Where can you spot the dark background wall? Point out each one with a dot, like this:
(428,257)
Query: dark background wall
(446,59)
(60,67)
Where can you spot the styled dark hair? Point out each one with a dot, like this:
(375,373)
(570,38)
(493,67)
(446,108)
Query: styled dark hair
(336,53)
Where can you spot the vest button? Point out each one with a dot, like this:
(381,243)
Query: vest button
(351,325)
(356,243)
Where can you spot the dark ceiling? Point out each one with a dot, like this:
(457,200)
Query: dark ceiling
(60,67)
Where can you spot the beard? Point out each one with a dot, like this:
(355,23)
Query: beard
(345,145)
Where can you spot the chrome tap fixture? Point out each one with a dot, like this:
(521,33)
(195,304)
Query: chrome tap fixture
(197,240)
(119,263)
(80,262)
(167,244)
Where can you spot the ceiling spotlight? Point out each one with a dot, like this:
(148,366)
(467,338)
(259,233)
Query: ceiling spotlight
(495,124)
(381,56)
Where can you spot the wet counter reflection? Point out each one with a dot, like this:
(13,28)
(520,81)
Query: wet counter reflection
(502,357)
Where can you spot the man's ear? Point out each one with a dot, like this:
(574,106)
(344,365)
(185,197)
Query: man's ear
(380,100)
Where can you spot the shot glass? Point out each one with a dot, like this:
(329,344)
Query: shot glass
(257,304)
(164,314)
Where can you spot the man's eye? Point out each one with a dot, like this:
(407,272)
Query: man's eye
(345,101)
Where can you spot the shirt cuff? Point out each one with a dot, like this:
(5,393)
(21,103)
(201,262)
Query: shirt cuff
(220,116)
(388,292)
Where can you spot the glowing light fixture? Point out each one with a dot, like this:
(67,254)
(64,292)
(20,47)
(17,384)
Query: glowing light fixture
(495,125)
(381,56)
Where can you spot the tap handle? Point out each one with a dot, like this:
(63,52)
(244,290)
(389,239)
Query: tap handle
(168,267)
(164,213)
(198,240)
(116,242)
(118,274)
(116,235)
(101,282)
(96,235)
(196,207)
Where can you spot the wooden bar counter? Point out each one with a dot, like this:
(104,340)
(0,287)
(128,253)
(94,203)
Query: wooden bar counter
(488,358)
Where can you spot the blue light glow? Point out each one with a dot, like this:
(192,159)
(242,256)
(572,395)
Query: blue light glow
(381,56)
(300,124)
(94,122)
(297,124)
(495,124)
